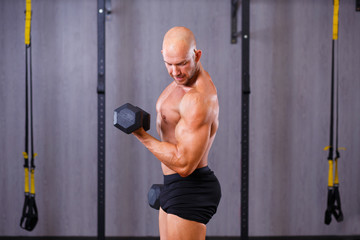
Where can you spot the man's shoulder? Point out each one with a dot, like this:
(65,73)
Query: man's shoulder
(168,89)
(205,91)
(195,101)
(201,99)
(193,96)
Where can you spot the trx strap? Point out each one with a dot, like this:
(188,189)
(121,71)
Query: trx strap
(333,198)
(29,216)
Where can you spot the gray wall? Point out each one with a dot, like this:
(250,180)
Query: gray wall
(290,83)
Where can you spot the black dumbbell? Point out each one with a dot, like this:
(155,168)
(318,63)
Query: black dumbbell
(154,195)
(129,118)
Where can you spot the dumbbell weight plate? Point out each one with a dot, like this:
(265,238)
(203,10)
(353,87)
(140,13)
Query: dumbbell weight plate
(128,118)
(154,196)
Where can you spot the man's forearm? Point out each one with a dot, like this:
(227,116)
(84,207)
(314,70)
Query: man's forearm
(166,152)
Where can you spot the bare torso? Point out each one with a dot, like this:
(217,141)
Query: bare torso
(168,112)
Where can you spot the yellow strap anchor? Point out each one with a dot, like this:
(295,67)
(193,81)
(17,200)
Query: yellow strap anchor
(27,22)
(336,20)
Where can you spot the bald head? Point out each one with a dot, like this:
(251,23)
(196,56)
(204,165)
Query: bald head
(181,57)
(179,40)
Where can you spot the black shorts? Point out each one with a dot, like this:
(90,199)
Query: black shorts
(195,197)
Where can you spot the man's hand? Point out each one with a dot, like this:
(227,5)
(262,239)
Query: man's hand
(139,132)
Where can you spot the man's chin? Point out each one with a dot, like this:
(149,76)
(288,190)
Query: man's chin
(180,81)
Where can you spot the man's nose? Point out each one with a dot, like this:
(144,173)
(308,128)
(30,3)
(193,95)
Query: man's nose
(175,70)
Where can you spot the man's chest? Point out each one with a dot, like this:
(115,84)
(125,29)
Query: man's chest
(168,105)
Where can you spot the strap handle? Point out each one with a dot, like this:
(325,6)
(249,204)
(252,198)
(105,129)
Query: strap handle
(29,216)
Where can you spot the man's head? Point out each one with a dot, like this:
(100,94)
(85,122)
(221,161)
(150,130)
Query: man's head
(180,55)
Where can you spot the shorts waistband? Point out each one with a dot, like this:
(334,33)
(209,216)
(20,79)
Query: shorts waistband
(197,172)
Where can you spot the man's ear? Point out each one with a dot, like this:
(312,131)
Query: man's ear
(197,55)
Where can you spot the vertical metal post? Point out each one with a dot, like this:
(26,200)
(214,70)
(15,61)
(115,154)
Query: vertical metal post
(245,68)
(101,119)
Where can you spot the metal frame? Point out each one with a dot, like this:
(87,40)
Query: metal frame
(104,9)
(101,119)
(245,123)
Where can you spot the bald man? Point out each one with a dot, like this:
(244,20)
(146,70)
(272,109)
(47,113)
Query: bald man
(187,121)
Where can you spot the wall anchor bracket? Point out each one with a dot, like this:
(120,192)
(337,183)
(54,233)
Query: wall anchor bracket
(234,32)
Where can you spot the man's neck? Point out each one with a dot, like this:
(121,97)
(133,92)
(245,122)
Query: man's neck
(194,78)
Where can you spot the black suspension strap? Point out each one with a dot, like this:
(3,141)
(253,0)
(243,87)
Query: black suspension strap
(337,203)
(29,216)
(333,198)
(245,123)
(101,119)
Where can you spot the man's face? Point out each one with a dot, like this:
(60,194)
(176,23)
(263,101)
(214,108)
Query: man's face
(180,65)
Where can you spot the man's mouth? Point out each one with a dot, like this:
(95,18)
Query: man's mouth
(178,77)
